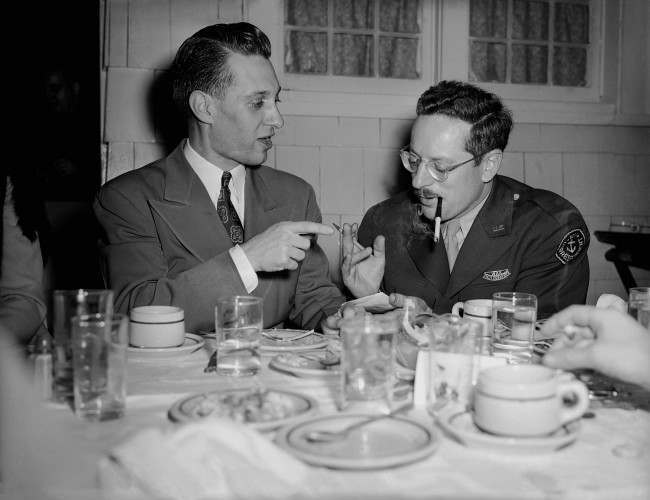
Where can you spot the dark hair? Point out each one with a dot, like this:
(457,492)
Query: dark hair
(491,121)
(201,62)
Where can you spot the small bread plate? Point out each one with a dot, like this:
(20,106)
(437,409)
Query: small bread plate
(459,425)
(387,442)
(264,410)
(313,341)
(306,364)
(191,344)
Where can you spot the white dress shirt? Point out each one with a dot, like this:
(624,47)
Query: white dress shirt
(210,175)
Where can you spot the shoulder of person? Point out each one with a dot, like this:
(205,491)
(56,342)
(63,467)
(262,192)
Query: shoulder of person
(558,209)
(280,180)
(145,178)
(390,212)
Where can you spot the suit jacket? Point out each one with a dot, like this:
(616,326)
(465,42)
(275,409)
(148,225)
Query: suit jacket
(523,239)
(165,244)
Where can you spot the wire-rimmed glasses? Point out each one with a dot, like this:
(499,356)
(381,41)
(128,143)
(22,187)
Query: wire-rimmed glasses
(412,162)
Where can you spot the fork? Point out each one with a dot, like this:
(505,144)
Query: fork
(273,336)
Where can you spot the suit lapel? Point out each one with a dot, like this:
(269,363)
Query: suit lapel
(429,258)
(188,211)
(488,238)
(261,210)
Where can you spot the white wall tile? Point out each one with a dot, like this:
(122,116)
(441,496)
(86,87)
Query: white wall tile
(128,117)
(117,32)
(341,180)
(146,152)
(524,137)
(383,175)
(315,130)
(149,34)
(557,138)
(120,159)
(230,10)
(582,183)
(394,133)
(189,16)
(512,165)
(544,171)
(301,161)
(362,132)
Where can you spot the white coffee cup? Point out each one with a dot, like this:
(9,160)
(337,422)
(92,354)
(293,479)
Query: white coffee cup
(479,310)
(157,326)
(527,400)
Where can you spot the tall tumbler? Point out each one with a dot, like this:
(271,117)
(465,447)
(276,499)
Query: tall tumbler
(99,343)
(66,304)
(513,326)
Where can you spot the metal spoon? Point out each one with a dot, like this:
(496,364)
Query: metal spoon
(326,436)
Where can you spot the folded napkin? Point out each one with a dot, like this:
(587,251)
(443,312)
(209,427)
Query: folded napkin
(212,458)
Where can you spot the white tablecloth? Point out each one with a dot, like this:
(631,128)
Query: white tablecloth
(610,459)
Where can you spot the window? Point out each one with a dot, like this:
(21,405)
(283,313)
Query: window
(357,38)
(539,42)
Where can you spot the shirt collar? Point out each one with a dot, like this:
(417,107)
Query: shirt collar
(210,174)
(467,219)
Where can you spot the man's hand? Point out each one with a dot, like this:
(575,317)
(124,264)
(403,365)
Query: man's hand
(602,339)
(362,270)
(283,245)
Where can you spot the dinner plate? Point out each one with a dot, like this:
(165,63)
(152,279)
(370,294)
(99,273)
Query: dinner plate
(262,410)
(313,341)
(191,343)
(458,424)
(299,366)
(380,444)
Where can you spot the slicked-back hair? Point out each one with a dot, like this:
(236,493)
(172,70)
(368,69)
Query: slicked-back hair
(201,62)
(491,121)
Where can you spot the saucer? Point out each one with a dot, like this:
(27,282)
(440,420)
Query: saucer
(458,424)
(191,343)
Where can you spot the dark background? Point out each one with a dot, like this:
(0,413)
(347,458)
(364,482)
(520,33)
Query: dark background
(61,130)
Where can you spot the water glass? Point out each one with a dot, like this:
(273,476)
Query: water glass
(66,304)
(99,343)
(513,325)
(638,304)
(238,327)
(368,362)
(454,344)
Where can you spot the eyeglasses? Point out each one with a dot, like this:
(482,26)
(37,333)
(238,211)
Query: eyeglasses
(412,162)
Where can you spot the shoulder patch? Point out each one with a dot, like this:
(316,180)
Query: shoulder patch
(570,246)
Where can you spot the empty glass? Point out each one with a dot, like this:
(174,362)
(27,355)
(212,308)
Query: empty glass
(66,304)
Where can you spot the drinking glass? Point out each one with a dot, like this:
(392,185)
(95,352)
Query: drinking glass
(367,363)
(66,304)
(238,327)
(638,304)
(513,326)
(99,343)
(454,343)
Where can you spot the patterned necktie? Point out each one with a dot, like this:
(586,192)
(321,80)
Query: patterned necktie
(451,241)
(227,212)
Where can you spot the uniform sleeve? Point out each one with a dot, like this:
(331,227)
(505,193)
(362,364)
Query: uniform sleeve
(316,296)
(555,266)
(136,269)
(22,304)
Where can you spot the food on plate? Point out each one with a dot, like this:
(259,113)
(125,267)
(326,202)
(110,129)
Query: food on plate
(246,406)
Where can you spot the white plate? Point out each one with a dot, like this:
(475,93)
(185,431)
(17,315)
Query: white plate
(313,341)
(295,364)
(191,343)
(384,443)
(279,407)
(459,425)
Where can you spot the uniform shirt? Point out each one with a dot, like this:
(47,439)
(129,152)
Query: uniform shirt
(465,222)
(523,239)
(210,175)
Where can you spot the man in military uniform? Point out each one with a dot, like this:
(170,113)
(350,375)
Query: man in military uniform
(497,234)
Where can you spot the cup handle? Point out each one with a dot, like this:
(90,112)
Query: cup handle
(457,307)
(578,390)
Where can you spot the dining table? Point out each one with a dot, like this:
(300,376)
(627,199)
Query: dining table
(610,458)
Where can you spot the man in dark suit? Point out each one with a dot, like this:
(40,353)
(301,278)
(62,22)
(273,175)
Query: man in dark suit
(497,234)
(173,229)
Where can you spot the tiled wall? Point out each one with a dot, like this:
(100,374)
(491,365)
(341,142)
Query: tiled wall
(352,162)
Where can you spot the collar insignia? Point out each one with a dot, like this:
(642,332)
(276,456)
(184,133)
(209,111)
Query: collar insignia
(497,275)
(570,246)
